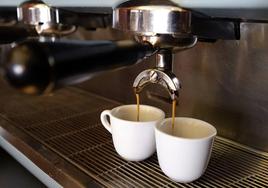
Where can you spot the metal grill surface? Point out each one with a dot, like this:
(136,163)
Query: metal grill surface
(68,124)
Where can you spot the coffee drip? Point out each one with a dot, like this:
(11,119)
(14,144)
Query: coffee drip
(174,102)
(138,106)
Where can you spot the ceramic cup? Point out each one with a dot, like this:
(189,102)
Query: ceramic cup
(184,153)
(133,140)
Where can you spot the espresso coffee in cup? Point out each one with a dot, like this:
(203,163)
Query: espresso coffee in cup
(133,140)
(184,151)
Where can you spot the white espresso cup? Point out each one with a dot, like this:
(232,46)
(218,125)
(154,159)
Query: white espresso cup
(133,140)
(184,152)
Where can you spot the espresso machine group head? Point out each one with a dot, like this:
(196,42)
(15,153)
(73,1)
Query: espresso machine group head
(43,19)
(166,27)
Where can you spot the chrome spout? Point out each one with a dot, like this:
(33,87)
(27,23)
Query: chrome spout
(161,75)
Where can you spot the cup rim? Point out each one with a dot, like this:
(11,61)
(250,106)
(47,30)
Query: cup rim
(128,121)
(157,128)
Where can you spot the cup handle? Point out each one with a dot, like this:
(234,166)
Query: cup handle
(105,121)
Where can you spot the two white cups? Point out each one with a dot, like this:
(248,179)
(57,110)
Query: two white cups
(183,152)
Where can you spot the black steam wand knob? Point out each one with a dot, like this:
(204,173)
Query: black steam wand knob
(36,67)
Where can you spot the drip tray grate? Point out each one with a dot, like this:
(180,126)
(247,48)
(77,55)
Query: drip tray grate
(68,124)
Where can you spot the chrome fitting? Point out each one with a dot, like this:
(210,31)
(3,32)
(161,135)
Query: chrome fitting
(161,75)
(43,18)
(159,22)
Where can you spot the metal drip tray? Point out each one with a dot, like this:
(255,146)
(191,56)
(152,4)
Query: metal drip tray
(64,131)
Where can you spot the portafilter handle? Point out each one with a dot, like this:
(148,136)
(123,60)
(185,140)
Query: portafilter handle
(36,67)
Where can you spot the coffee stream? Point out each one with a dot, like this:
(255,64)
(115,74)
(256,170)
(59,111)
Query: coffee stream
(138,106)
(174,102)
(173,113)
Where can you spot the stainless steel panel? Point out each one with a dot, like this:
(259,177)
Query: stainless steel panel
(11,169)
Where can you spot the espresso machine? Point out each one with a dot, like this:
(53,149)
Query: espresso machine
(77,58)
(175,32)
